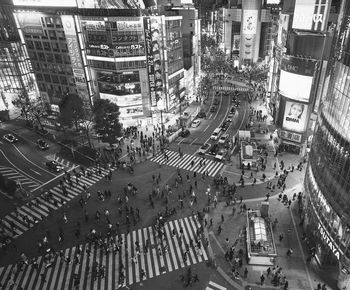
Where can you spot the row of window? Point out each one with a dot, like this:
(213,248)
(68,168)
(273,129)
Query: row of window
(56,90)
(48,46)
(118,65)
(49,57)
(48,34)
(52,78)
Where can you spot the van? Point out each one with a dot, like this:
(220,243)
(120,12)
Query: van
(216,133)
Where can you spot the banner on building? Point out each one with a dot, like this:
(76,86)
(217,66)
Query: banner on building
(75,57)
(250,21)
(282,30)
(153,39)
(30,23)
(311,15)
(295,116)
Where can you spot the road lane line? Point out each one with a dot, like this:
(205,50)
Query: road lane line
(33,162)
(34,171)
(193,141)
(19,170)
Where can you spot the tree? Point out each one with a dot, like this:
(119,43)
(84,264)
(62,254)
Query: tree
(32,109)
(74,111)
(71,110)
(107,120)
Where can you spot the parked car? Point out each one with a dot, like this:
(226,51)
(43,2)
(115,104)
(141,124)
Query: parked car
(42,144)
(213,109)
(10,138)
(214,149)
(54,166)
(204,148)
(184,133)
(195,123)
(216,134)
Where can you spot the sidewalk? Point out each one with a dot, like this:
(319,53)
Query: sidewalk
(300,274)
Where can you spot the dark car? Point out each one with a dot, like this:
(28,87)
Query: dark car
(10,138)
(201,115)
(54,166)
(213,109)
(42,144)
(214,149)
(184,133)
(216,102)
(233,110)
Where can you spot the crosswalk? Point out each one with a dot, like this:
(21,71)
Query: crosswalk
(214,286)
(28,215)
(134,264)
(240,89)
(12,173)
(184,162)
(63,162)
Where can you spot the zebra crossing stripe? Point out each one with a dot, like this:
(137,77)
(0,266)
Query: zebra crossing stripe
(217,286)
(155,262)
(174,159)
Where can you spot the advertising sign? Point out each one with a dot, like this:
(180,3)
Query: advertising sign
(30,22)
(294,118)
(311,14)
(94,25)
(282,30)
(123,101)
(298,65)
(153,37)
(116,50)
(75,57)
(45,3)
(294,86)
(131,111)
(291,136)
(129,25)
(250,21)
(116,4)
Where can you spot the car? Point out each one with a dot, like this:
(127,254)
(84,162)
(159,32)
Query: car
(213,109)
(223,139)
(230,118)
(204,148)
(201,115)
(54,166)
(184,133)
(216,134)
(216,102)
(214,149)
(42,144)
(10,138)
(224,126)
(233,110)
(220,154)
(195,123)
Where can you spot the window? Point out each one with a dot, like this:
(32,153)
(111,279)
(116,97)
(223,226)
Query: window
(49,21)
(38,45)
(55,46)
(60,35)
(47,46)
(41,56)
(54,79)
(58,58)
(47,78)
(63,81)
(52,34)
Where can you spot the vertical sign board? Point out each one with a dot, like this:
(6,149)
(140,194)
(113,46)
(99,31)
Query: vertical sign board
(153,39)
(75,57)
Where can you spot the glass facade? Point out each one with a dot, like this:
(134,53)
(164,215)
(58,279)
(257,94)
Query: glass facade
(327,181)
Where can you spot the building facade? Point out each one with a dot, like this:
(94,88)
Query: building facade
(16,80)
(326,211)
(130,56)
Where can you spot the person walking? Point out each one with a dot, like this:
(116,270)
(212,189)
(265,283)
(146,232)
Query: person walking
(262,279)
(245,273)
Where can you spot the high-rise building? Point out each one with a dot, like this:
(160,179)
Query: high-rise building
(326,210)
(16,80)
(114,50)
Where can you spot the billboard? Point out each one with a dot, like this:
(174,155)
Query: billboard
(311,15)
(112,4)
(123,101)
(153,38)
(250,21)
(282,30)
(30,23)
(75,57)
(295,116)
(296,78)
(45,3)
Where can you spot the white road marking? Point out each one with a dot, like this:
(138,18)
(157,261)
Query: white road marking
(193,141)
(35,171)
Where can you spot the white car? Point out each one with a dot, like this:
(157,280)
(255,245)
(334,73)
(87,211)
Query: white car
(216,134)
(195,123)
(204,148)
(220,155)
(10,138)
(223,138)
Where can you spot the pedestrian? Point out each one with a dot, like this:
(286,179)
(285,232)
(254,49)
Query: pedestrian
(262,279)
(210,222)
(222,218)
(268,271)
(280,237)
(245,273)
